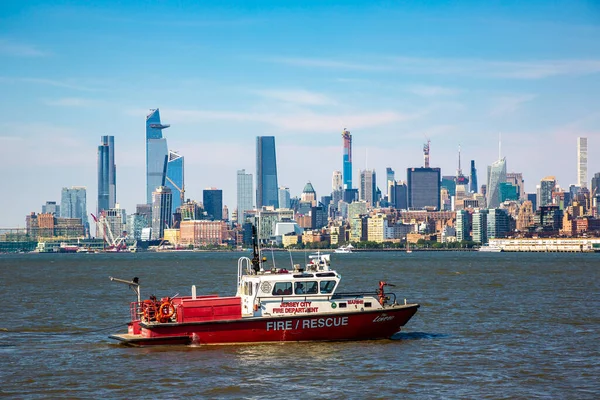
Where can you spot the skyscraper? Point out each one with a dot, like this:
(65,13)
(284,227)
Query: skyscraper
(546,187)
(337,182)
(107,188)
(582,162)
(213,203)
(368,187)
(347,159)
(244,194)
(156,154)
(423,188)
(73,205)
(390,181)
(51,208)
(496,176)
(473,178)
(399,196)
(284,197)
(266,172)
(161,211)
(175,179)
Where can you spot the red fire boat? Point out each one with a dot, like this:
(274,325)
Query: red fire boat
(271,305)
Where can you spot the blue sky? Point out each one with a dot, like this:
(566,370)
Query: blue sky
(394,73)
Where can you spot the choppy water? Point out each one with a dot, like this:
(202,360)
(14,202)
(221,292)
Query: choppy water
(490,326)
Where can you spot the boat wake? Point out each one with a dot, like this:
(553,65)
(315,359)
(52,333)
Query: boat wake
(418,336)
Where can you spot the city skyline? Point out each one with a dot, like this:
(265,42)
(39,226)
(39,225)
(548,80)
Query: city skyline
(392,93)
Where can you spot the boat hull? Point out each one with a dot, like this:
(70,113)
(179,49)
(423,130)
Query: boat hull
(360,325)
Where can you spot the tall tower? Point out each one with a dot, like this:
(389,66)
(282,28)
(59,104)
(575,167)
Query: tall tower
(582,162)
(368,187)
(337,182)
(390,180)
(347,167)
(496,176)
(284,197)
(73,204)
(156,153)
(107,188)
(213,203)
(161,211)
(266,172)
(244,194)
(174,179)
(473,178)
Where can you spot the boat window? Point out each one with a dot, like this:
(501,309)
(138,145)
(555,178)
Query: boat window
(342,305)
(309,287)
(282,288)
(367,304)
(327,286)
(250,288)
(326,274)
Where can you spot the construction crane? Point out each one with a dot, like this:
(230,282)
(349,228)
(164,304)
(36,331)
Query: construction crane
(111,243)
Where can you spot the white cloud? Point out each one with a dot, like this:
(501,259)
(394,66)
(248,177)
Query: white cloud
(71,102)
(433,91)
(299,96)
(330,64)
(11,48)
(504,105)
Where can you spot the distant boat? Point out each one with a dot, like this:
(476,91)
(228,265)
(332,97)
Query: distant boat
(408,250)
(490,249)
(344,249)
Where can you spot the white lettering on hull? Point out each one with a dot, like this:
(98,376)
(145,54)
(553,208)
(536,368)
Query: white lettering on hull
(314,323)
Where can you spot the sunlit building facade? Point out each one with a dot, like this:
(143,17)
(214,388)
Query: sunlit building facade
(496,176)
(175,179)
(156,154)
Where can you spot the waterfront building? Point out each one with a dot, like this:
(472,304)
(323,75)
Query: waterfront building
(156,154)
(368,187)
(135,223)
(463,225)
(244,195)
(212,198)
(582,162)
(161,211)
(107,188)
(473,178)
(74,205)
(202,232)
(347,159)
(266,172)
(174,179)
(268,220)
(497,223)
(496,176)
(480,226)
(51,208)
(545,189)
(423,189)
(284,197)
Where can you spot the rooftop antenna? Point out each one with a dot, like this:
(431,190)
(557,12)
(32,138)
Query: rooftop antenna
(500,146)
(459,171)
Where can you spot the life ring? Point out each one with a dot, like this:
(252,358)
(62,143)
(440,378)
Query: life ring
(149,310)
(166,311)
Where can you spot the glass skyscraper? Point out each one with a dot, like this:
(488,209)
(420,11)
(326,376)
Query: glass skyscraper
(496,176)
(174,179)
(423,188)
(156,154)
(107,182)
(266,172)
(244,194)
(161,211)
(213,203)
(73,205)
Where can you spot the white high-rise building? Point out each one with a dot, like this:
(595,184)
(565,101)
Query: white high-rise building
(284,197)
(368,187)
(582,162)
(244,194)
(337,182)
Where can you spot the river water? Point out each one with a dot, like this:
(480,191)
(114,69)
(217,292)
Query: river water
(491,325)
